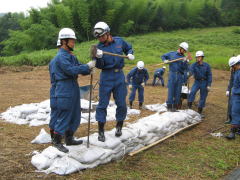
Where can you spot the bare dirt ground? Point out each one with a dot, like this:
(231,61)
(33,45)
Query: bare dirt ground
(31,84)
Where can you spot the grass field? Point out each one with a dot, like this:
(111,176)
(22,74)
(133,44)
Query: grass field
(219,44)
(191,155)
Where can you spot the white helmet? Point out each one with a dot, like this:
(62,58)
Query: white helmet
(58,42)
(66,33)
(140,64)
(238,57)
(199,54)
(233,60)
(184,45)
(164,67)
(100,29)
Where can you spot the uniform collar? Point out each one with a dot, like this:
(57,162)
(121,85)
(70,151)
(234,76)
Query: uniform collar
(103,44)
(64,51)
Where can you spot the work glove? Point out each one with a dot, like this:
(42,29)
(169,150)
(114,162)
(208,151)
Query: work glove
(208,88)
(166,61)
(92,71)
(185,59)
(91,64)
(227,93)
(130,86)
(143,84)
(130,56)
(99,53)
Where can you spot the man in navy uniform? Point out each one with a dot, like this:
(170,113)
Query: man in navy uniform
(176,75)
(159,74)
(203,79)
(112,79)
(137,79)
(64,92)
(235,98)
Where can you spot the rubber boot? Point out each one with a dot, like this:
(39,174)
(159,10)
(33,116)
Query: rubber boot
(229,120)
(174,108)
(200,112)
(101,136)
(169,107)
(119,125)
(52,134)
(69,140)
(232,133)
(130,104)
(57,143)
(179,106)
(238,131)
(189,105)
(140,105)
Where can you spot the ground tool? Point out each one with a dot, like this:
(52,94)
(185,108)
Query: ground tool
(189,57)
(228,121)
(94,50)
(90,98)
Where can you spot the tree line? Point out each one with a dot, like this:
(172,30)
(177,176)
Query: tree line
(39,30)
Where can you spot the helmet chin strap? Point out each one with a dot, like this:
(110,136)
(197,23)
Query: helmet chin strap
(69,48)
(107,40)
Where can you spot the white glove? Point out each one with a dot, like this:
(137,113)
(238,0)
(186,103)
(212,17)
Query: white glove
(130,86)
(92,70)
(99,53)
(91,64)
(130,56)
(166,61)
(143,84)
(208,88)
(185,59)
(227,93)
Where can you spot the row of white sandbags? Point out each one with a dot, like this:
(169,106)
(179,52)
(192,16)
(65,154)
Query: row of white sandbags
(145,131)
(36,114)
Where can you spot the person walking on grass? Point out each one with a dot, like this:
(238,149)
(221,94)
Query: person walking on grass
(176,72)
(203,79)
(64,92)
(158,74)
(234,63)
(137,79)
(112,79)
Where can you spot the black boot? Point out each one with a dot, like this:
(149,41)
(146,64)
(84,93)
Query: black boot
(179,106)
(229,120)
(52,134)
(130,104)
(232,133)
(140,105)
(174,108)
(69,140)
(190,105)
(169,107)
(101,136)
(57,143)
(238,131)
(200,112)
(119,128)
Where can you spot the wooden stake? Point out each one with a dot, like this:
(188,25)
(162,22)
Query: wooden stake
(161,140)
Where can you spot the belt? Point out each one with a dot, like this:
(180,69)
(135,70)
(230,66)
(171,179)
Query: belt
(176,72)
(202,79)
(74,79)
(114,70)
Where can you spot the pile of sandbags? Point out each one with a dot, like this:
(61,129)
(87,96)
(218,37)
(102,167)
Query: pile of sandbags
(36,114)
(135,136)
